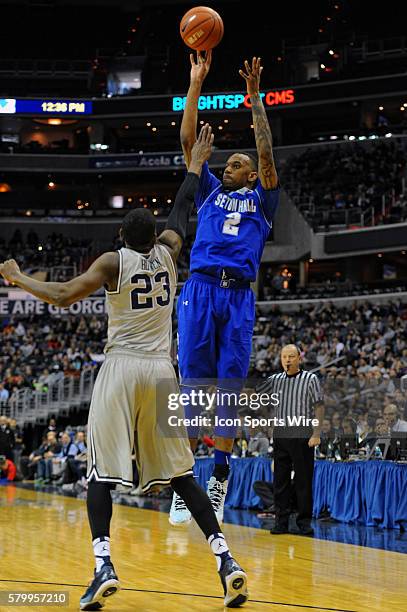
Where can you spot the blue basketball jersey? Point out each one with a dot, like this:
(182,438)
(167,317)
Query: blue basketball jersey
(233,227)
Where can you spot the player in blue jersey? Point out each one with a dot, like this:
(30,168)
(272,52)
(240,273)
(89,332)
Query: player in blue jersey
(216,308)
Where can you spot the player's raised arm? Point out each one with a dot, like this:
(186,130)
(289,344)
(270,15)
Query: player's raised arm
(103,271)
(176,228)
(199,70)
(262,132)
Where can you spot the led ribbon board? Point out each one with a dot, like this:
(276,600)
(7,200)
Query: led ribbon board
(236,101)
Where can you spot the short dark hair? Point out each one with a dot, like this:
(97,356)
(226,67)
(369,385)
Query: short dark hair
(254,163)
(138,227)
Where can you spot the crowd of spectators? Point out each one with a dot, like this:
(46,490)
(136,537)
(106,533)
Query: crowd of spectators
(361,336)
(66,256)
(60,459)
(37,351)
(326,180)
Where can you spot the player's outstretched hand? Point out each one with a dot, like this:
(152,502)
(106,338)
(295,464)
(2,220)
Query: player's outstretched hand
(251,75)
(200,66)
(10,270)
(202,149)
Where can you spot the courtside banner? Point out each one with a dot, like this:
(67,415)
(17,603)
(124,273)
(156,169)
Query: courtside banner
(29,306)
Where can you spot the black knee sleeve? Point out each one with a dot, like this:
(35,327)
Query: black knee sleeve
(100,508)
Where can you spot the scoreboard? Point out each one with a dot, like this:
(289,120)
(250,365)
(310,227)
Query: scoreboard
(45,107)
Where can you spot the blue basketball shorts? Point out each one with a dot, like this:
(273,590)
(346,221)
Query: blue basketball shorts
(215,329)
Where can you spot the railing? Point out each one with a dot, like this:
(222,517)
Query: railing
(357,216)
(29,406)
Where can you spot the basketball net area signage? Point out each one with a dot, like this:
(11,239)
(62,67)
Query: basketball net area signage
(236,101)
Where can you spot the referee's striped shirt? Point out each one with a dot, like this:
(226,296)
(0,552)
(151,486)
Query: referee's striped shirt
(297,393)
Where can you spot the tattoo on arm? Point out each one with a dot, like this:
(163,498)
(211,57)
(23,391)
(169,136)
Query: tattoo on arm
(264,144)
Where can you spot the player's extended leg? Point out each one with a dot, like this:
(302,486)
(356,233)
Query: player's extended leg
(236,307)
(111,426)
(105,581)
(233,577)
(197,362)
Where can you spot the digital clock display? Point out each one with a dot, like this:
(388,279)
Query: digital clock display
(48,107)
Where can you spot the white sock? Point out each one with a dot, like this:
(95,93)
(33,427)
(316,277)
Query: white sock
(219,548)
(101,550)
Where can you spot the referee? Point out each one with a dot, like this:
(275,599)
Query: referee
(294,438)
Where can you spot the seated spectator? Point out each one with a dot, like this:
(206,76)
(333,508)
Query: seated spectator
(48,453)
(7,470)
(258,444)
(68,450)
(29,464)
(393,422)
(75,468)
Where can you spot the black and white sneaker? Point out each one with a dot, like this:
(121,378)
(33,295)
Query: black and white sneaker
(234,582)
(104,584)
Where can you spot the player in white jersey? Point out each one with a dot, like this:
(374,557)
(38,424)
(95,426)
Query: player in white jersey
(133,384)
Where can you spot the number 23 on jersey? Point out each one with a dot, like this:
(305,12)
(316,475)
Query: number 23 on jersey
(140,295)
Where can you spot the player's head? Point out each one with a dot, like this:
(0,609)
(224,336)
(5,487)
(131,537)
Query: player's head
(240,171)
(291,358)
(138,230)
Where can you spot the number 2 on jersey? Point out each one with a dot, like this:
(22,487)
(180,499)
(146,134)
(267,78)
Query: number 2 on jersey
(231,225)
(139,295)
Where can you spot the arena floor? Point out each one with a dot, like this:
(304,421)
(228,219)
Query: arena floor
(45,546)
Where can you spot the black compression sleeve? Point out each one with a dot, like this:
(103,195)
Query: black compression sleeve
(184,202)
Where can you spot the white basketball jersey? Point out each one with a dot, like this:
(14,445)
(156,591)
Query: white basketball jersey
(140,309)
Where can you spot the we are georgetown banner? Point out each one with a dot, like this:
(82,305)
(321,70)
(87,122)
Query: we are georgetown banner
(20,303)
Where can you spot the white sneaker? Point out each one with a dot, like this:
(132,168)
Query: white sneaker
(217,494)
(179,513)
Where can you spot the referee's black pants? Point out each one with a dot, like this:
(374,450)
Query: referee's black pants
(293,454)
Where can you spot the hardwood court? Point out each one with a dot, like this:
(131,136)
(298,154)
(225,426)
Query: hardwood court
(45,545)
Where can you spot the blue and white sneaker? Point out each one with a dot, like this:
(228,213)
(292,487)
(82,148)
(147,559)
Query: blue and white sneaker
(217,494)
(234,582)
(104,584)
(179,513)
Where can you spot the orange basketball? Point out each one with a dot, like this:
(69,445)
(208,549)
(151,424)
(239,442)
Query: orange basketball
(201,28)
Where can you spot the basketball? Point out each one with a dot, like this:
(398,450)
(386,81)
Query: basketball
(201,28)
